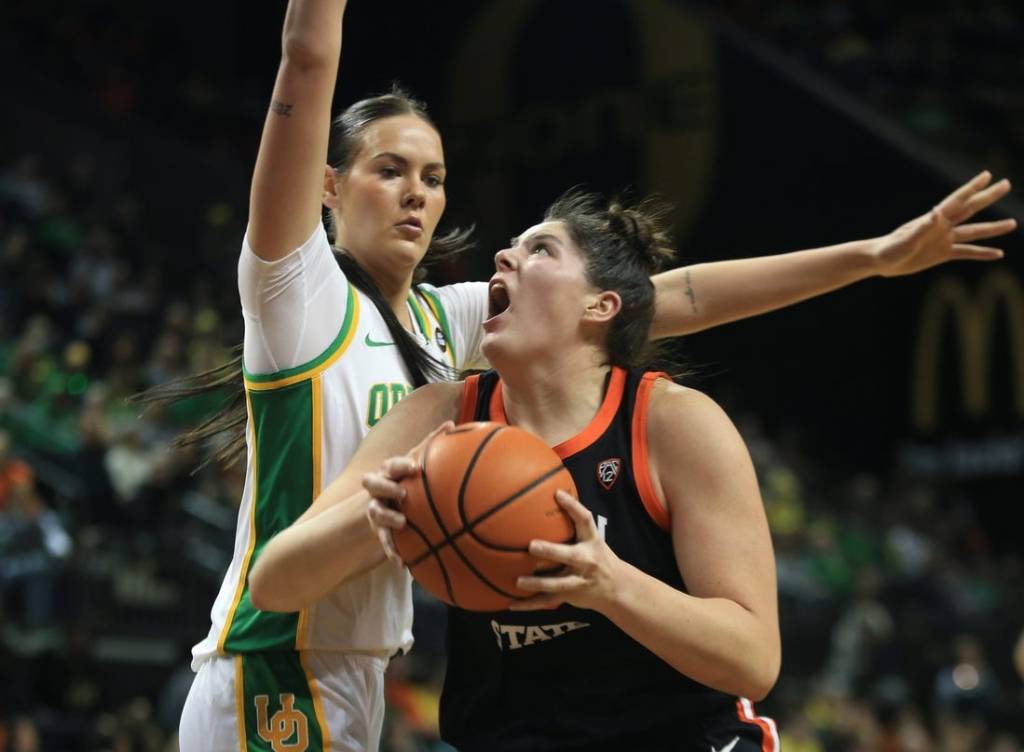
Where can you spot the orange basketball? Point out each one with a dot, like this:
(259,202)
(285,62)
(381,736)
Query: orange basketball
(484,491)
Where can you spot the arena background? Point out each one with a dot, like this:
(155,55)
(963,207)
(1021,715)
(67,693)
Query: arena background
(886,420)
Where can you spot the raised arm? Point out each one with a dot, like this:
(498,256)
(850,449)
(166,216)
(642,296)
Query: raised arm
(287,183)
(333,541)
(701,296)
(723,632)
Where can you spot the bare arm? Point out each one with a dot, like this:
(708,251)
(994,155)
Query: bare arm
(333,541)
(724,631)
(287,183)
(701,296)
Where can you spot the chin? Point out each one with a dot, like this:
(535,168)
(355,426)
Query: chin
(403,254)
(504,352)
(494,350)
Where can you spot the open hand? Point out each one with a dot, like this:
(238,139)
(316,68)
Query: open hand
(941,235)
(591,570)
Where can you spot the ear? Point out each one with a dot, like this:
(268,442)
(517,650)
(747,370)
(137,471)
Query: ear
(331,198)
(603,307)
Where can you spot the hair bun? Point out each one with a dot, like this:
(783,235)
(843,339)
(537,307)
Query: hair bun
(643,229)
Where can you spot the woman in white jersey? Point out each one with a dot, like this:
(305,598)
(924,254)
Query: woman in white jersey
(332,341)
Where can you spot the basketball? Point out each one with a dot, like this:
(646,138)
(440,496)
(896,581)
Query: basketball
(482,493)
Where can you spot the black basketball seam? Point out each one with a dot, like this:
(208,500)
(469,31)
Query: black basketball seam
(468,528)
(454,547)
(437,517)
(449,538)
(444,570)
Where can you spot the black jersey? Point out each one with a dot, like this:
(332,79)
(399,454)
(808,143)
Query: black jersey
(569,678)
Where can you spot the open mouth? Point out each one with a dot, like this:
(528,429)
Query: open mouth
(497,299)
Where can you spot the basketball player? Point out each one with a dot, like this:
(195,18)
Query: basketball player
(333,341)
(664,624)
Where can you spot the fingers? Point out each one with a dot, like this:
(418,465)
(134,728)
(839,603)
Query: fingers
(586,528)
(384,520)
(550,584)
(985,198)
(561,553)
(383,516)
(397,468)
(537,603)
(966,252)
(954,201)
(387,542)
(380,486)
(983,230)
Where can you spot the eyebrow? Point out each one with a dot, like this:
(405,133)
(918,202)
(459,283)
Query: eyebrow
(405,162)
(514,241)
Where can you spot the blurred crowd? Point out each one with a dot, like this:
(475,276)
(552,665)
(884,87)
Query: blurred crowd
(948,71)
(918,64)
(899,615)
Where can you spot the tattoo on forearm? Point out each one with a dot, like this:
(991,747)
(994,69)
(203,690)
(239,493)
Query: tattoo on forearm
(282,109)
(690,292)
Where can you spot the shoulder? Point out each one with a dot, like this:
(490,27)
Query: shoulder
(686,428)
(457,296)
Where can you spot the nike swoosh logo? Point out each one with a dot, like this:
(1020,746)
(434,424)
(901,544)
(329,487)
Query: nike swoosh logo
(374,343)
(728,747)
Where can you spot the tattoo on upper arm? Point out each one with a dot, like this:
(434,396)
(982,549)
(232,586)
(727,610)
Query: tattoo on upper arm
(282,109)
(690,293)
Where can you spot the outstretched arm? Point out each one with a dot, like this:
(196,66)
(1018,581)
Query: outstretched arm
(333,541)
(701,296)
(287,183)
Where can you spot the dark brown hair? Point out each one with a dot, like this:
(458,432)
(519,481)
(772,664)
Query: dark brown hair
(622,247)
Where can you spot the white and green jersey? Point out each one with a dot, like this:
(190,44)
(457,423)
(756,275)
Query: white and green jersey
(320,370)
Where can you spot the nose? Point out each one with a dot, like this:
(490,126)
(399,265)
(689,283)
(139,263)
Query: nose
(504,259)
(416,196)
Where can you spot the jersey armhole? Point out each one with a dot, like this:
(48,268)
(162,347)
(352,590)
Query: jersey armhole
(641,465)
(433,301)
(307,371)
(470,387)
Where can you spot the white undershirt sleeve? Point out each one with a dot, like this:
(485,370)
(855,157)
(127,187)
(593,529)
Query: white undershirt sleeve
(465,305)
(293,308)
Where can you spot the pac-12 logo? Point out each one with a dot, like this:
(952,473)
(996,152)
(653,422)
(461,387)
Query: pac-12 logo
(285,731)
(608,472)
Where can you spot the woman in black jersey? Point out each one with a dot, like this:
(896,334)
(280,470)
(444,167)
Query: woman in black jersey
(664,625)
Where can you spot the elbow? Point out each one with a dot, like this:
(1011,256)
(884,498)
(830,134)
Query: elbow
(763,677)
(263,594)
(301,53)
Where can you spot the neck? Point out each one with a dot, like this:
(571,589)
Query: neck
(555,398)
(395,291)
(396,297)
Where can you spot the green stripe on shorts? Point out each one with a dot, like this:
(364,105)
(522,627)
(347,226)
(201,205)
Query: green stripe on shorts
(280,711)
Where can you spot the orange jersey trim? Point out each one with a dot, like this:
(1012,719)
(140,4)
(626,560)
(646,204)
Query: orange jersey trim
(596,427)
(769,734)
(641,465)
(470,387)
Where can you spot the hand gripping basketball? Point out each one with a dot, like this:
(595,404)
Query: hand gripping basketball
(479,494)
(386,493)
(590,569)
